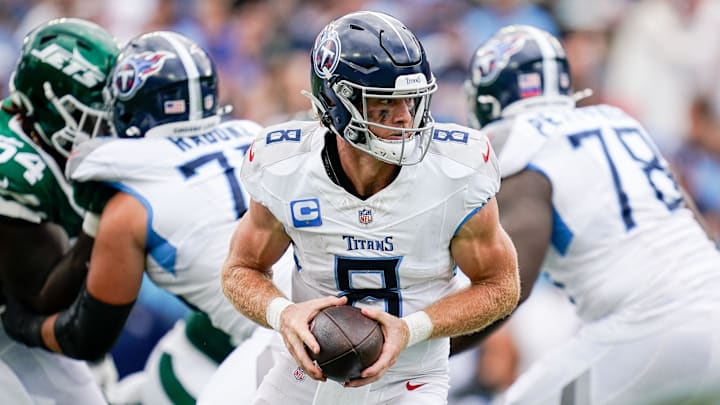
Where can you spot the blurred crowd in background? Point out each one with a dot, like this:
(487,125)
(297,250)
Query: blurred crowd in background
(657,59)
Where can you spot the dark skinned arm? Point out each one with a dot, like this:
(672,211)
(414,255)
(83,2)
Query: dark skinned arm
(36,266)
(89,327)
(64,282)
(525,204)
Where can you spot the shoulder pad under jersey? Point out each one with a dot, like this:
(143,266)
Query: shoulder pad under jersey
(279,143)
(466,146)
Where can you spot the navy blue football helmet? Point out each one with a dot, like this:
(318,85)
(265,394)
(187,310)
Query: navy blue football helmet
(372,55)
(519,67)
(163,84)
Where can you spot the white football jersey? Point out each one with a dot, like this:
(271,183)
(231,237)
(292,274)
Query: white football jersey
(391,250)
(191,190)
(624,246)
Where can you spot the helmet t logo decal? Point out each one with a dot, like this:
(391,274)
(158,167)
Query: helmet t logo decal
(326,54)
(491,61)
(133,72)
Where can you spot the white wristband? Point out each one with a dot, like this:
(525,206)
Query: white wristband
(91,223)
(273,311)
(420,327)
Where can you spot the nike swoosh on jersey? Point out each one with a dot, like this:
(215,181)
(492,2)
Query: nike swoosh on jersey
(486,155)
(413,387)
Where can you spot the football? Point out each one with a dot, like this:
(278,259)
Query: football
(349,342)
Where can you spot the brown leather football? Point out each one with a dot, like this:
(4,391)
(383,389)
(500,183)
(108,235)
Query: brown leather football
(349,342)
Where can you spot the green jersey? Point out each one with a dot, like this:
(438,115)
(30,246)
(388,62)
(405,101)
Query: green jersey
(32,185)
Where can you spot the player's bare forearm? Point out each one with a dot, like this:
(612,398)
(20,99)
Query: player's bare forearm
(237,281)
(473,308)
(484,252)
(257,243)
(493,294)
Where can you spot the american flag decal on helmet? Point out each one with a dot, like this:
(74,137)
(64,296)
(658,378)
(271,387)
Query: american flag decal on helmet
(174,107)
(365,216)
(530,85)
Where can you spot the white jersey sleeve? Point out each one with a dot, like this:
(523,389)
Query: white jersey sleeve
(277,149)
(523,143)
(463,149)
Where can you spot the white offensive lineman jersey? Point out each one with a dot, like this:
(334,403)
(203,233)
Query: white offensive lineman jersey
(624,245)
(191,190)
(390,250)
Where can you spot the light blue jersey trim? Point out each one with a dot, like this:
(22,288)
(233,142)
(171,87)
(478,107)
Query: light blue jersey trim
(561,233)
(467,218)
(164,253)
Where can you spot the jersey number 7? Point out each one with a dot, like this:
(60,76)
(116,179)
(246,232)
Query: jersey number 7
(648,160)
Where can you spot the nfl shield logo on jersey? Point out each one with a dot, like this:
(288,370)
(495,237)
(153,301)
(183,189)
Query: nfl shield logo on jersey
(365,216)
(299,374)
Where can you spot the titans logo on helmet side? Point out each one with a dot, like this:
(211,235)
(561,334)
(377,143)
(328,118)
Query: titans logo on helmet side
(134,71)
(491,59)
(326,53)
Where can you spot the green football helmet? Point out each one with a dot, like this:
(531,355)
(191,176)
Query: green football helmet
(59,80)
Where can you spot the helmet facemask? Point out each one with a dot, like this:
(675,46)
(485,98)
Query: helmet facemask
(413,142)
(81,121)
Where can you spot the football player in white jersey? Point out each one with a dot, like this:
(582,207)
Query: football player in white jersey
(587,198)
(55,93)
(382,207)
(179,200)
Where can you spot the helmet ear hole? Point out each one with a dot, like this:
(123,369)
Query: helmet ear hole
(124,118)
(326,100)
(488,109)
